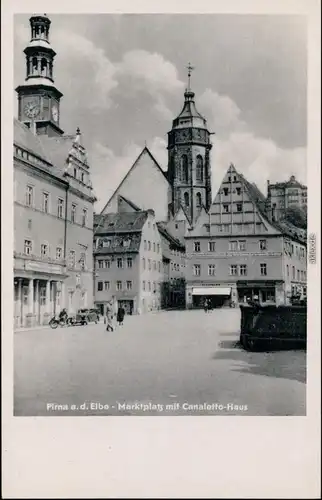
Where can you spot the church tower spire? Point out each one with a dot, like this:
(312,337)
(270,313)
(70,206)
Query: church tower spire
(38,97)
(189,170)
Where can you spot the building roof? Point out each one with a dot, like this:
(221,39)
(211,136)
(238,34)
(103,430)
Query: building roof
(189,116)
(145,150)
(129,202)
(25,138)
(292,182)
(120,243)
(123,222)
(173,240)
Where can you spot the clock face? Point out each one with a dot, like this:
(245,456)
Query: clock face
(32,109)
(54,113)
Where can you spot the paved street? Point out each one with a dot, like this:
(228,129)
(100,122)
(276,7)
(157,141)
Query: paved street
(187,359)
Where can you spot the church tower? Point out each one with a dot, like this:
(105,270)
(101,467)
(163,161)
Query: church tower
(189,170)
(38,98)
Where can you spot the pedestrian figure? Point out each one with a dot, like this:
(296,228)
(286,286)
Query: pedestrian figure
(120,315)
(109,318)
(205,305)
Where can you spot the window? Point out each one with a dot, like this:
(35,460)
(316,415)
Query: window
(225,208)
(197,246)
(106,243)
(75,172)
(263,268)
(84,217)
(149,264)
(287,270)
(149,286)
(59,253)
(154,227)
(199,169)
(226,191)
(233,270)
(100,264)
(238,191)
(119,286)
(143,262)
(129,262)
(73,213)
(225,228)
(243,270)
(235,178)
(60,208)
(29,196)
(143,285)
(198,200)
(159,267)
(211,270)
(239,207)
(44,250)
(153,247)
(196,269)
(129,285)
(107,264)
(42,296)
(149,245)
(45,202)
(82,177)
(211,246)
(158,247)
(262,244)
(120,263)
(72,258)
(298,275)
(100,286)
(144,244)
(242,245)
(28,247)
(82,261)
(268,295)
(293,272)
(184,168)
(106,285)
(186,199)
(233,246)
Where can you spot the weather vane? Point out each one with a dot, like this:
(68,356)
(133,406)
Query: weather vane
(190,69)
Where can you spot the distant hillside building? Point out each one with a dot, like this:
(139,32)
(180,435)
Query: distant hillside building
(53,197)
(284,195)
(235,253)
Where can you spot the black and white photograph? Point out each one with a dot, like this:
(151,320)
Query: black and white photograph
(160,215)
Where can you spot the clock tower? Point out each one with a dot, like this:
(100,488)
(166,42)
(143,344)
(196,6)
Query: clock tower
(189,170)
(38,98)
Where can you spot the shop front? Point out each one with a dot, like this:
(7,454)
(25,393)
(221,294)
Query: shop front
(216,296)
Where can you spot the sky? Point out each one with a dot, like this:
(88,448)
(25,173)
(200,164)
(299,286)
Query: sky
(123,78)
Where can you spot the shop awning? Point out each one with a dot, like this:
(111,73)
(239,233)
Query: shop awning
(213,290)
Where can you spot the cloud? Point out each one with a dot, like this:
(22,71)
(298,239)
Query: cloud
(150,72)
(257,158)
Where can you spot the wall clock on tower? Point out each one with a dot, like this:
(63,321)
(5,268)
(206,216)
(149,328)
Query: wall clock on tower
(32,109)
(54,113)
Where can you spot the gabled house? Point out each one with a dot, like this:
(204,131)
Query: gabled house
(234,252)
(128,261)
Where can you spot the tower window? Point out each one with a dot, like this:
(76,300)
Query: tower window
(199,169)
(186,199)
(44,67)
(184,168)
(198,200)
(34,65)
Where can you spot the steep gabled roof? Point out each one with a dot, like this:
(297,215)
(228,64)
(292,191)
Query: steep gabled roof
(130,203)
(145,150)
(173,240)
